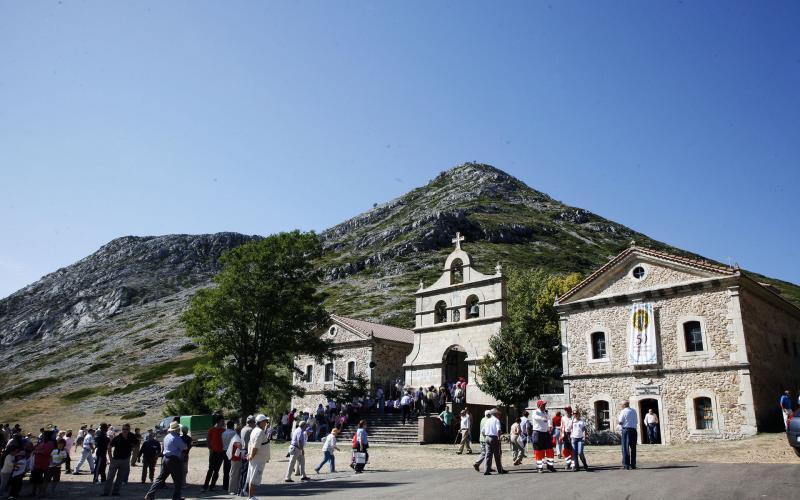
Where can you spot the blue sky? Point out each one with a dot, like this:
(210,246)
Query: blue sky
(679,119)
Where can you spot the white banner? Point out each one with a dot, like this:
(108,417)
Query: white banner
(642,348)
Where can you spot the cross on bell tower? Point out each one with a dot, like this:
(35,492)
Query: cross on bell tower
(457,240)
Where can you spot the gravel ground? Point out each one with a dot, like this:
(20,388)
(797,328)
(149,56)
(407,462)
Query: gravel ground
(764,448)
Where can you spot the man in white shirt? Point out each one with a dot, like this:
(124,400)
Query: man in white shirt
(492,430)
(405,406)
(628,422)
(542,437)
(464,431)
(258,454)
(651,420)
(297,452)
(86,454)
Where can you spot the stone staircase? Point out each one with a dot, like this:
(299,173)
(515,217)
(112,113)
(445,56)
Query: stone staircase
(384,429)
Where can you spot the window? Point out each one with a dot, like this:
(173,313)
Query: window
(473,307)
(351,370)
(703,414)
(332,331)
(309,373)
(693,336)
(602,415)
(598,345)
(456,315)
(638,272)
(457,272)
(329,372)
(440,312)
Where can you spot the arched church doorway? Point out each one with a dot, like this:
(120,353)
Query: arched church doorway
(454,365)
(649,435)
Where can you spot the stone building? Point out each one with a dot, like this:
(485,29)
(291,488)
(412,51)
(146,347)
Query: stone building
(455,317)
(357,344)
(707,347)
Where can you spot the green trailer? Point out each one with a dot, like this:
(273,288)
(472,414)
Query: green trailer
(198,426)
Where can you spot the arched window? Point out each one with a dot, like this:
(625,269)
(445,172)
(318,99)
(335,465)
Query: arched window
(602,415)
(440,312)
(457,272)
(703,413)
(351,370)
(693,336)
(309,373)
(473,309)
(598,340)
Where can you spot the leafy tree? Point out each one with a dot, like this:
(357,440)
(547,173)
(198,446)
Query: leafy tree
(189,398)
(525,355)
(348,389)
(263,310)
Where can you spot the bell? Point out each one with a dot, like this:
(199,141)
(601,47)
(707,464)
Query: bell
(474,312)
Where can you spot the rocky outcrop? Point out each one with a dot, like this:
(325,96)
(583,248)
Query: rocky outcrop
(125,273)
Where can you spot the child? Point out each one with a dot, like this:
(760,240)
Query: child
(327,448)
(57,459)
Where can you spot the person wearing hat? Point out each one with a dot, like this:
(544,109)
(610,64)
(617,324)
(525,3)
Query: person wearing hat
(297,452)
(542,437)
(258,454)
(328,448)
(172,465)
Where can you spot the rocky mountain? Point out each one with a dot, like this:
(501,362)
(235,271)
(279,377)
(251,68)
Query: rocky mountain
(103,335)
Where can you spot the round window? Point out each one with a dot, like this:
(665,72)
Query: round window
(638,272)
(332,331)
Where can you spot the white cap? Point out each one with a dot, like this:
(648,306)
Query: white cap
(260,418)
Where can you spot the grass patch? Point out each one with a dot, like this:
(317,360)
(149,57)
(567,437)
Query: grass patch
(131,388)
(29,388)
(144,344)
(133,414)
(100,366)
(80,394)
(188,347)
(178,368)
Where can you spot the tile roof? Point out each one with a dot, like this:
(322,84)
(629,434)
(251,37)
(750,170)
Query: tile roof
(698,264)
(377,330)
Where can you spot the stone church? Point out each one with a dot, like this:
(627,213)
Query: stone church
(361,347)
(707,347)
(455,317)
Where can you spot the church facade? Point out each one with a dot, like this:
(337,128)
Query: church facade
(707,347)
(454,319)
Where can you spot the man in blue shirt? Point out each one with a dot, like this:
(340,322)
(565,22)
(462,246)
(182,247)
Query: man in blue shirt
(628,421)
(786,406)
(174,447)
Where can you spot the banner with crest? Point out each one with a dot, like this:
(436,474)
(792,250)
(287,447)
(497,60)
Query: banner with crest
(642,347)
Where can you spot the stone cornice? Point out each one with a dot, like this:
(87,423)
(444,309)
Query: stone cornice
(659,371)
(659,292)
(461,286)
(459,324)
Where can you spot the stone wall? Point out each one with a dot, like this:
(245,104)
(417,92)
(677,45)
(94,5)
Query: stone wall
(389,357)
(361,354)
(675,393)
(711,307)
(773,366)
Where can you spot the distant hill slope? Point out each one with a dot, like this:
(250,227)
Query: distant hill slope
(112,318)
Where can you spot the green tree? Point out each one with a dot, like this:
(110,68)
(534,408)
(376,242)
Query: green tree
(525,356)
(348,389)
(263,310)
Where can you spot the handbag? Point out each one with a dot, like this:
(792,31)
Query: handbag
(361,457)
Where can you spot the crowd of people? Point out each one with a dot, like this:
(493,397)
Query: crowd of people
(550,437)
